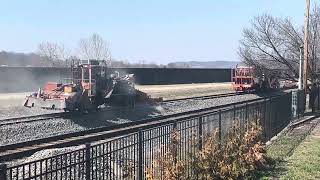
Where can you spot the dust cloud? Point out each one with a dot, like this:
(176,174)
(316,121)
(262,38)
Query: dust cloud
(18,82)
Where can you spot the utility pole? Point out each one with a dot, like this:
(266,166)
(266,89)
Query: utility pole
(306,47)
(300,69)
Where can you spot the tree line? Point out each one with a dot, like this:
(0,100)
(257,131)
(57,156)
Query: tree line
(275,43)
(93,47)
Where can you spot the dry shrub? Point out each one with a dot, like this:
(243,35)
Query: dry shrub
(254,150)
(238,154)
(128,170)
(168,167)
(233,157)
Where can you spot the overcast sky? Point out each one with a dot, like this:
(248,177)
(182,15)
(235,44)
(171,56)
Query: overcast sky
(159,31)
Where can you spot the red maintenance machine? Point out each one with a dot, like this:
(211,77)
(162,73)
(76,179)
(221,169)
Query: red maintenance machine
(247,79)
(89,87)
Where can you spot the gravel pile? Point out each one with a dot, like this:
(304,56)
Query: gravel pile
(20,111)
(107,117)
(11,105)
(44,154)
(116,165)
(34,169)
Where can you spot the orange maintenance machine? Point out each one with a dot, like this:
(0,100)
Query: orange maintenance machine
(243,79)
(247,79)
(89,87)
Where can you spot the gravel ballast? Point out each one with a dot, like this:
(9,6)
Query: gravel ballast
(11,104)
(107,117)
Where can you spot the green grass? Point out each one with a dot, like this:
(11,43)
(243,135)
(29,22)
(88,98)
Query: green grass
(305,161)
(279,152)
(284,146)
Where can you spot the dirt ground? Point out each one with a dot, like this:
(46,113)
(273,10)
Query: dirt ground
(185,90)
(12,99)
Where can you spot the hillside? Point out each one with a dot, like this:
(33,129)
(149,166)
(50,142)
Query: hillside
(32,59)
(21,59)
(205,64)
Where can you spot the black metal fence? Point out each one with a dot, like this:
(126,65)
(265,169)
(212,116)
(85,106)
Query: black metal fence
(129,156)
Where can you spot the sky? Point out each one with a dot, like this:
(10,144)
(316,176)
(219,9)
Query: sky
(152,31)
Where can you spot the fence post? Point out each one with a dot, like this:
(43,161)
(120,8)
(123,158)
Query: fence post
(234,113)
(265,118)
(246,119)
(140,155)
(220,130)
(318,97)
(200,132)
(296,99)
(175,151)
(3,171)
(290,104)
(271,114)
(88,164)
(246,111)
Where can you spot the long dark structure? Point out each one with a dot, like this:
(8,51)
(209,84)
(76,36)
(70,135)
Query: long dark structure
(27,79)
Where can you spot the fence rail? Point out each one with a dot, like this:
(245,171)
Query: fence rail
(128,156)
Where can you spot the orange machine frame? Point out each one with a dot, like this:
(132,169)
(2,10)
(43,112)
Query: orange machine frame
(243,79)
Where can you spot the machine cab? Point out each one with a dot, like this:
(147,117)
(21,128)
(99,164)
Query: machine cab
(86,73)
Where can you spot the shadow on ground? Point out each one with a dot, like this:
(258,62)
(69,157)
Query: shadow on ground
(270,92)
(281,149)
(274,169)
(115,115)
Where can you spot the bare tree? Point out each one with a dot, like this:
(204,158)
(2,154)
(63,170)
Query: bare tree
(95,47)
(274,43)
(314,40)
(53,52)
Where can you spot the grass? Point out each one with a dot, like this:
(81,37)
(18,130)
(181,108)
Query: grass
(281,151)
(304,162)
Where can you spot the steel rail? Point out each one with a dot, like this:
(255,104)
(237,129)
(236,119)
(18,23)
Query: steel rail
(27,119)
(203,97)
(43,117)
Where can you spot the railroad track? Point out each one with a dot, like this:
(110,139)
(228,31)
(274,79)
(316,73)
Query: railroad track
(203,97)
(27,119)
(22,149)
(44,117)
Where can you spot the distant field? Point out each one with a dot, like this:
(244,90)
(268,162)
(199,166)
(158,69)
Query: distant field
(12,99)
(185,90)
